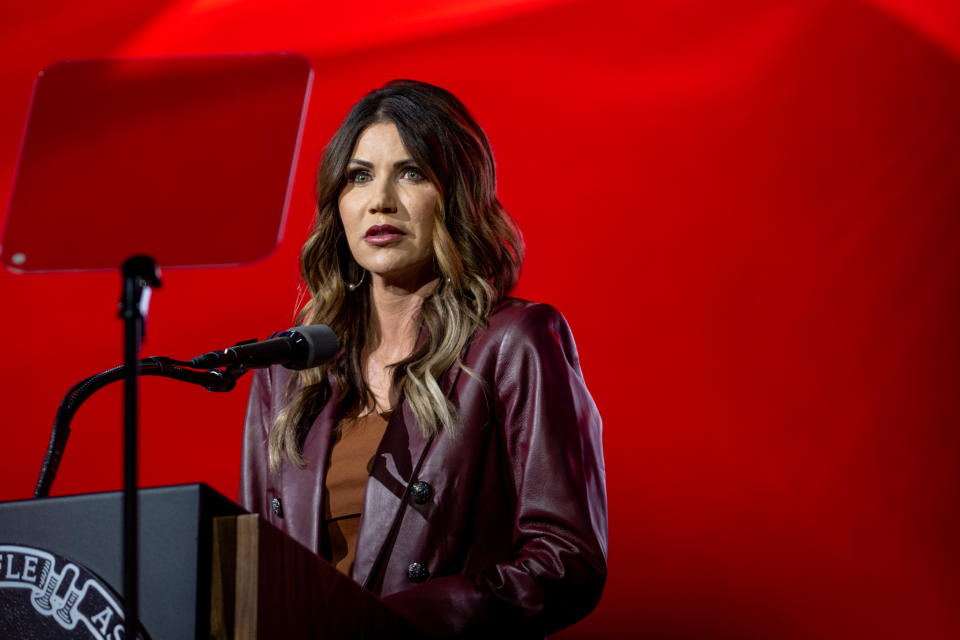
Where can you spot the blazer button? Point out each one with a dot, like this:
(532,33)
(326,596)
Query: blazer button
(421,492)
(277,507)
(417,572)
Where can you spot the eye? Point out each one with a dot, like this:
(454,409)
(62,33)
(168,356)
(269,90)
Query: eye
(359,176)
(413,174)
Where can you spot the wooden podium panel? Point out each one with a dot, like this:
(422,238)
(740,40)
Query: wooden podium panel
(265,586)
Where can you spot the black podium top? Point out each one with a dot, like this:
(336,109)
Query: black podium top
(84,532)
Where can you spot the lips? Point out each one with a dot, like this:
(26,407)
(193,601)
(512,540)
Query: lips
(383,230)
(381,234)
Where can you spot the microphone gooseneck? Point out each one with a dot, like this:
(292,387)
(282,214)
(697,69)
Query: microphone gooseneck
(297,348)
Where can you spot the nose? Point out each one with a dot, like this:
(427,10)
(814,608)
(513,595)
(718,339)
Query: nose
(383,199)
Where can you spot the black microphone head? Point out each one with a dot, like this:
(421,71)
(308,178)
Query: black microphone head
(320,345)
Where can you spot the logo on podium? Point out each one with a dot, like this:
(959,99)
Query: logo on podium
(44,595)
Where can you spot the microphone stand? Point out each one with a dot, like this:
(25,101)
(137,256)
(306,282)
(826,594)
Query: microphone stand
(140,273)
(212,380)
(297,349)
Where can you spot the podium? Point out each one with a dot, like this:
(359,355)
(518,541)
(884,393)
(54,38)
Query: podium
(208,570)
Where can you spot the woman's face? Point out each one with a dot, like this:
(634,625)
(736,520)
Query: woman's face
(388,207)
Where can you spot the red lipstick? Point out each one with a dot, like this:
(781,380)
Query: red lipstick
(382,234)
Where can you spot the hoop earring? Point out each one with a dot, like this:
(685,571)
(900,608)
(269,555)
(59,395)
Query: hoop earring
(352,286)
(343,253)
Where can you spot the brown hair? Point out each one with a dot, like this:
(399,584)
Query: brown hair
(478,253)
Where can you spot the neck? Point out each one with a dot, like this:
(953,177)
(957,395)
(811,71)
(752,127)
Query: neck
(394,315)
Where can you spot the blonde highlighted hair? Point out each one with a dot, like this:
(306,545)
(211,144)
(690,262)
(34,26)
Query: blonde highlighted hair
(477,248)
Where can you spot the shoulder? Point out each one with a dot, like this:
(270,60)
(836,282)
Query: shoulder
(515,315)
(520,326)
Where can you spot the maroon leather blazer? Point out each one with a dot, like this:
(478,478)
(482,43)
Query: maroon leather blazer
(501,529)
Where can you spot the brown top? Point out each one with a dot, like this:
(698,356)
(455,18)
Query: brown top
(351,458)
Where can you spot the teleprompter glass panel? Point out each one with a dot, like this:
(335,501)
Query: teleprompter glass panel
(188,160)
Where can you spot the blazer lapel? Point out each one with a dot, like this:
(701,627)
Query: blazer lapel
(402,446)
(305,487)
(400,454)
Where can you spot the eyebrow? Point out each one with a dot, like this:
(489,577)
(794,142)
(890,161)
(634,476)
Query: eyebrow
(369,165)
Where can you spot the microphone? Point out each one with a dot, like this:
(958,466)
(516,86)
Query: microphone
(297,348)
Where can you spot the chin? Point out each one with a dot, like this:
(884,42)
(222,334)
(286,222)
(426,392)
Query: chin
(417,271)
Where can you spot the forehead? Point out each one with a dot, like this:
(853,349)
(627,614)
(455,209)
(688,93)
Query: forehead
(380,141)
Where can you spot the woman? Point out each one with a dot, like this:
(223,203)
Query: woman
(449,460)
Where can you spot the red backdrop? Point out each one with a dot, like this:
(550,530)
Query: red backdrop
(750,214)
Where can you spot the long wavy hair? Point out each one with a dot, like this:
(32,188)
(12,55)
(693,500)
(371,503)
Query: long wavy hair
(478,252)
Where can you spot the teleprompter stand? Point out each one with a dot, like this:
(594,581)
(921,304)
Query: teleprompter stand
(140,275)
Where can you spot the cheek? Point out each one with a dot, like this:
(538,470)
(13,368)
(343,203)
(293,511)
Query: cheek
(425,215)
(347,212)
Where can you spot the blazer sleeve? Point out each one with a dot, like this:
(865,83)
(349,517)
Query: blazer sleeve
(254,470)
(551,434)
